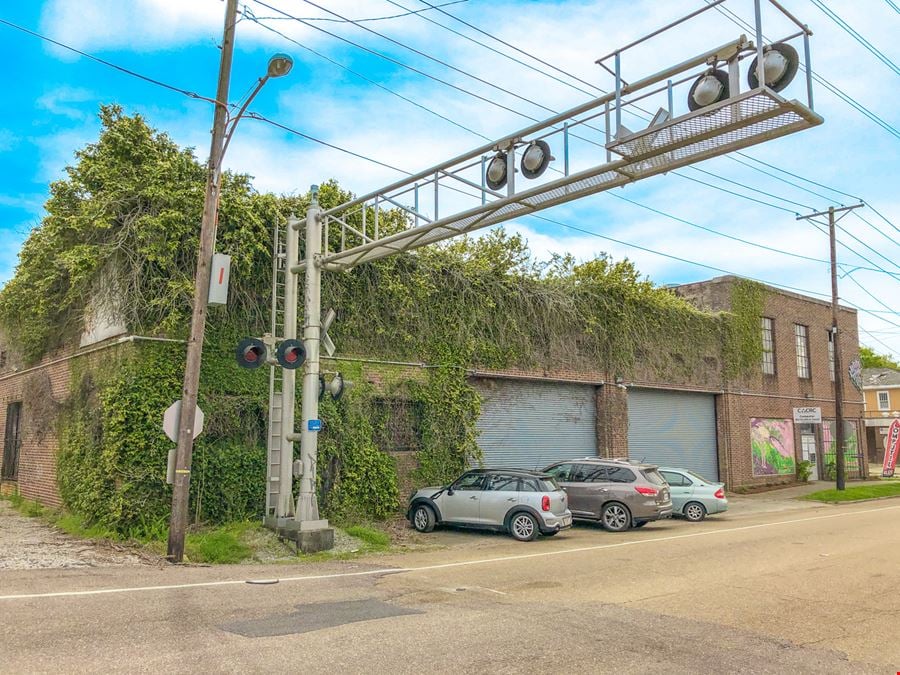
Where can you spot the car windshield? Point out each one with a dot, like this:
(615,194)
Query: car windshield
(653,476)
(700,478)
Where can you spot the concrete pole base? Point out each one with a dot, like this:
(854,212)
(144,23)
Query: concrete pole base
(310,537)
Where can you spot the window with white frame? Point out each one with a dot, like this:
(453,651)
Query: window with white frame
(884,400)
(768,346)
(831,353)
(801,335)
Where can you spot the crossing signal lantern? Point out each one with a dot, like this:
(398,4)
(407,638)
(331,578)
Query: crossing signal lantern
(495,174)
(708,89)
(780,63)
(290,354)
(535,159)
(251,353)
(335,388)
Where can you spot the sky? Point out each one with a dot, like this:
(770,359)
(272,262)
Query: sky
(376,99)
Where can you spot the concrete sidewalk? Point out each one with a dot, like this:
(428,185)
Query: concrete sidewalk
(784,499)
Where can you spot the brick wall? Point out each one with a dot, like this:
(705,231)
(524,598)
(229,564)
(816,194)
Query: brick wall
(41,390)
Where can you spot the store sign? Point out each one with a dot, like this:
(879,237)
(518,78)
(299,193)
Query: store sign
(891,450)
(807,415)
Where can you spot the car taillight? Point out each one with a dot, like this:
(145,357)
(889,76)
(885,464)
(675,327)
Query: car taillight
(545,503)
(647,491)
(719,494)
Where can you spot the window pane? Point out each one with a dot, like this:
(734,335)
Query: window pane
(561,472)
(470,481)
(672,478)
(884,401)
(653,476)
(768,346)
(802,343)
(619,474)
(502,483)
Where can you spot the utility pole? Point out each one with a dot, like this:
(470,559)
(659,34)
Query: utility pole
(181,484)
(838,440)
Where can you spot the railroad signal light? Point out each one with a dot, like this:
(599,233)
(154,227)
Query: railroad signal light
(536,159)
(780,64)
(251,353)
(335,388)
(709,88)
(495,174)
(291,354)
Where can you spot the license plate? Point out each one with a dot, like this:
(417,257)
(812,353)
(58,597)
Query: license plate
(566,521)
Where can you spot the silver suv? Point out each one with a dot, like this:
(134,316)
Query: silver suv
(617,493)
(523,503)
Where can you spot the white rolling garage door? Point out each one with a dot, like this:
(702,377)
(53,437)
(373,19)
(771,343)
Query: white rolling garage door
(529,425)
(673,428)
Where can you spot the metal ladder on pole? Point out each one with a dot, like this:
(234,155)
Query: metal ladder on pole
(274,442)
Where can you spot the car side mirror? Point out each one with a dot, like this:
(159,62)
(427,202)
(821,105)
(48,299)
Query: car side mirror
(449,490)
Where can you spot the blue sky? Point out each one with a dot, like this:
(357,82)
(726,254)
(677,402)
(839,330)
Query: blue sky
(52,96)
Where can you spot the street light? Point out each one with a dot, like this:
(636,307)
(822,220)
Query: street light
(222,131)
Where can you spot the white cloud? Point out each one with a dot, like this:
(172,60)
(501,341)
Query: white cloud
(58,102)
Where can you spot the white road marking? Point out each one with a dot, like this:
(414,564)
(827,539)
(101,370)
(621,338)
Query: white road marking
(441,566)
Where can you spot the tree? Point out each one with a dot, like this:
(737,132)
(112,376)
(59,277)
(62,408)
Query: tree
(870,359)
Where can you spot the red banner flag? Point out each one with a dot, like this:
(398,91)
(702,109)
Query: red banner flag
(891,450)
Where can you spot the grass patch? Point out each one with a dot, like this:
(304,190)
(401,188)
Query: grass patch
(223,545)
(25,506)
(375,540)
(75,525)
(853,494)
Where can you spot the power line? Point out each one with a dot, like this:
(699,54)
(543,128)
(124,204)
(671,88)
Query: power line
(595,87)
(259,117)
(108,64)
(893,5)
(856,36)
(890,349)
(249,15)
(409,12)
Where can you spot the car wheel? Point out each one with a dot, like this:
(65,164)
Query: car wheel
(423,518)
(639,523)
(523,526)
(694,511)
(615,517)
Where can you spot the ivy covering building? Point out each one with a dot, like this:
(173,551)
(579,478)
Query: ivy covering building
(466,352)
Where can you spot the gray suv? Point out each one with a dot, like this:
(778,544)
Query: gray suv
(618,494)
(523,503)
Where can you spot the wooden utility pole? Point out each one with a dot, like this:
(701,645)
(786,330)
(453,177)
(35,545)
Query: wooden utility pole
(838,440)
(182,481)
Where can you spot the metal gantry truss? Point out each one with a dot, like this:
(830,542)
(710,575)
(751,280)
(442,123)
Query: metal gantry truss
(453,198)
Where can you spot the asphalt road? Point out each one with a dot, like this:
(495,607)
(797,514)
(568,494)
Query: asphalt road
(800,590)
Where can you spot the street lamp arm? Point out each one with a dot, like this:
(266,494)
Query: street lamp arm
(233,121)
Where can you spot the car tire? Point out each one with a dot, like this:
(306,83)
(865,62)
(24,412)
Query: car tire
(694,512)
(615,517)
(523,526)
(423,518)
(639,523)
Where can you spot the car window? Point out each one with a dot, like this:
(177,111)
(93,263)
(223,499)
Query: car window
(699,478)
(547,485)
(653,476)
(587,473)
(562,472)
(502,483)
(469,481)
(619,474)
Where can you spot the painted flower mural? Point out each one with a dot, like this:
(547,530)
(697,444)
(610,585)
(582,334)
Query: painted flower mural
(772,446)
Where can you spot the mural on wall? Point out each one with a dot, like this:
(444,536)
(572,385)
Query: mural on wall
(851,449)
(772,446)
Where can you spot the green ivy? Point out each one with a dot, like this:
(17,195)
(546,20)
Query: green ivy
(122,227)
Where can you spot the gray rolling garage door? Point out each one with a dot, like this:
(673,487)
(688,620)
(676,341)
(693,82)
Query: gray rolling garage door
(531,424)
(673,428)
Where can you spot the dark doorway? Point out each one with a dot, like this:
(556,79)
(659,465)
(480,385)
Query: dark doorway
(12,441)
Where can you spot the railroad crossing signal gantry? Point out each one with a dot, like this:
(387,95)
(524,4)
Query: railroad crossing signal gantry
(578,152)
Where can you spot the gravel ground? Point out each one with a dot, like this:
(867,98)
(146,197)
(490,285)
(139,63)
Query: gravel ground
(28,543)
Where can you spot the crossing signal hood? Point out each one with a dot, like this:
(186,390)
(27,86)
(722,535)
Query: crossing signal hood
(291,354)
(251,353)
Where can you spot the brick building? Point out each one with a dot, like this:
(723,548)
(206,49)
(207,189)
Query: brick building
(740,432)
